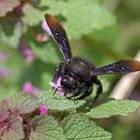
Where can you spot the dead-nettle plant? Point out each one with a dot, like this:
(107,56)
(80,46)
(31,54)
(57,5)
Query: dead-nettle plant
(54,117)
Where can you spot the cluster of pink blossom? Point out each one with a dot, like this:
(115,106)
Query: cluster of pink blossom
(26,51)
(4,71)
(33,91)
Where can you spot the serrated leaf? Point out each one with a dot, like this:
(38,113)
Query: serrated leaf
(3,110)
(11,30)
(114,107)
(58,102)
(15,129)
(32,16)
(23,103)
(46,128)
(82,17)
(79,127)
(7,5)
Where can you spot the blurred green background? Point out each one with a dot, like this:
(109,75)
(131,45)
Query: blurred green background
(102,31)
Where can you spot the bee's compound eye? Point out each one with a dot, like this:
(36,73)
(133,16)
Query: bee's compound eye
(64,82)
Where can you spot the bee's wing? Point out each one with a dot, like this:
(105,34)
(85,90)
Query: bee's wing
(120,67)
(59,35)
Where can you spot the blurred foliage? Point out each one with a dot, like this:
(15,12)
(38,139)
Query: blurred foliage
(101,28)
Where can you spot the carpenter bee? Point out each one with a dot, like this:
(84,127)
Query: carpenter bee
(76,75)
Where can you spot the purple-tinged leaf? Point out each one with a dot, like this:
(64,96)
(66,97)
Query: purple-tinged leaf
(13,129)
(7,5)
(3,110)
(23,104)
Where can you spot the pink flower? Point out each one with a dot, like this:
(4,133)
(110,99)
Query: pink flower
(20,119)
(3,56)
(18,10)
(29,56)
(30,89)
(41,37)
(27,87)
(45,27)
(4,72)
(27,52)
(43,110)
(56,85)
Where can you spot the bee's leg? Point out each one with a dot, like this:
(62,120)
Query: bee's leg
(99,89)
(56,90)
(65,94)
(87,91)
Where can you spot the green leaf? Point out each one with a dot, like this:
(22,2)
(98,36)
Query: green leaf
(7,5)
(32,16)
(81,19)
(58,102)
(23,103)
(46,128)
(46,52)
(114,107)
(11,30)
(79,127)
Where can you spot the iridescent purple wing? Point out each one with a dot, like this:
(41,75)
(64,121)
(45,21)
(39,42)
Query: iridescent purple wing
(59,35)
(120,67)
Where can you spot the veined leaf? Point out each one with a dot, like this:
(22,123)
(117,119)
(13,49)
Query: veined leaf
(11,30)
(58,102)
(15,129)
(79,127)
(114,107)
(23,103)
(81,19)
(46,128)
(32,16)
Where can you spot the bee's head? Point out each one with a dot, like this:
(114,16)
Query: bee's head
(66,84)
(69,83)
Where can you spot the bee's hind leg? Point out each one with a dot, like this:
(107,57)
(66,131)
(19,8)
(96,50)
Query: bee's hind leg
(99,90)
